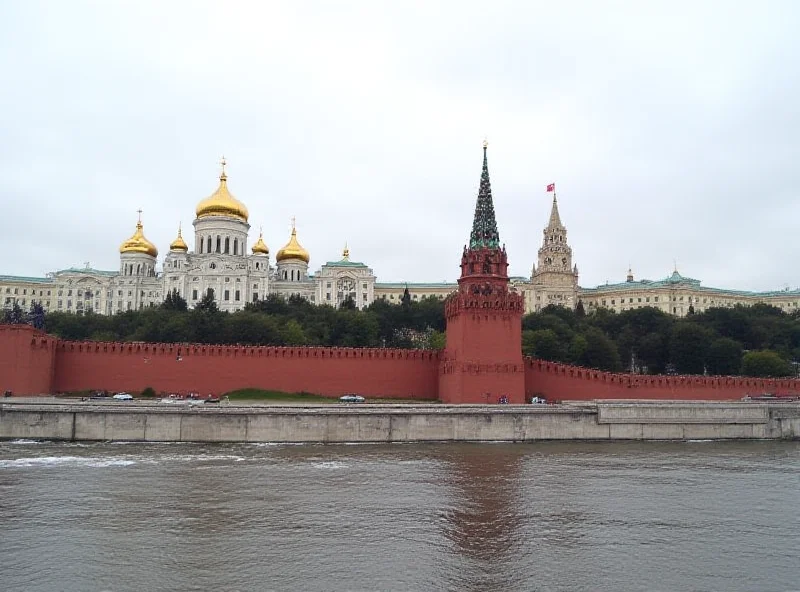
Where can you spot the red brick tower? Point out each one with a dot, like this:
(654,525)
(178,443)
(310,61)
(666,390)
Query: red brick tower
(482,361)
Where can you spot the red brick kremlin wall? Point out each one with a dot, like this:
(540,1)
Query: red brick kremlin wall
(571,383)
(208,369)
(33,363)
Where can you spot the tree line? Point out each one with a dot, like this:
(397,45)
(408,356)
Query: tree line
(273,321)
(760,340)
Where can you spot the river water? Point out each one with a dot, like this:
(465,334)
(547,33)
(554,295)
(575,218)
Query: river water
(547,516)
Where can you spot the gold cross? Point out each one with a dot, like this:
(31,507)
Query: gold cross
(140,215)
(223,162)
(293,222)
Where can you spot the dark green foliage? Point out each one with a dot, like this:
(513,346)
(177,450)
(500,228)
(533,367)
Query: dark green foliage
(580,311)
(273,321)
(724,356)
(766,364)
(207,303)
(348,303)
(174,301)
(688,347)
(649,341)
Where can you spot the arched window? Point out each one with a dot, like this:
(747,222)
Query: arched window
(138,269)
(236,246)
(293,275)
(285,275)
(208,245)
(219,243)
(227,245)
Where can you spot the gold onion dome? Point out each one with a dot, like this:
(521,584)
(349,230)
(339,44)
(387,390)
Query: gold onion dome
(293,250)
(179,244)
(260,246)
(221,202)
(138,243)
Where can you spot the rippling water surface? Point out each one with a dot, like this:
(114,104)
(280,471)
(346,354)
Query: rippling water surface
(546,516)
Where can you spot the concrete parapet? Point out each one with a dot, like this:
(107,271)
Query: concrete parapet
(684,413)
(397,423)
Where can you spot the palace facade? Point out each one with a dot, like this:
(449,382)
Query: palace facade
(222,263)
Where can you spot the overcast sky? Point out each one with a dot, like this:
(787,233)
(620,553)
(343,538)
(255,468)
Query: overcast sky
(670,129)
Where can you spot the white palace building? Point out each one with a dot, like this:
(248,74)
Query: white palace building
(221,262)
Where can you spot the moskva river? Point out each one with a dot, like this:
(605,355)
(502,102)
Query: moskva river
(548,516)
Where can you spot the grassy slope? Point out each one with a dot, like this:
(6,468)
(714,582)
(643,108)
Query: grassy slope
(252,394)
(258,394)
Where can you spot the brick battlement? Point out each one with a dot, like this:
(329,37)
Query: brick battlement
(495,302)
(564,382)
(199,349)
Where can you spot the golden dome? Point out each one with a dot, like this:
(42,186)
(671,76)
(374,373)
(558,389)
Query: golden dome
(260,246)
(179,244)
(293,250)
(138,243)
(221,202)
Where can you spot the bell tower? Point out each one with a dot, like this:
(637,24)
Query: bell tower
(482,360)
(555,278)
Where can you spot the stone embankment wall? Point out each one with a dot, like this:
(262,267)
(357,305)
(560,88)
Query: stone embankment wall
(398,423)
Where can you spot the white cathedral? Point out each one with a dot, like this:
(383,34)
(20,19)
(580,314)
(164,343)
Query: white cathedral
(221,264)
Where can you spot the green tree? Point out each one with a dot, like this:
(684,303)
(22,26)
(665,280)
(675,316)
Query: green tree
(174,301)
(543,344)
(600,352)
(207,302)
(766,364)
(580,311)
(724,357)
(292,333)
(436,340)
(652,352)
(348,303)
(689,343)
(405,301)
(577,349)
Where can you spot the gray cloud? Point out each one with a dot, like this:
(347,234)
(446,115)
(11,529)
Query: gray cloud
(669,128)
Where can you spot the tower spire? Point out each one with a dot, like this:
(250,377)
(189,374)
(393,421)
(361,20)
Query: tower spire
(555,219)
(484,233)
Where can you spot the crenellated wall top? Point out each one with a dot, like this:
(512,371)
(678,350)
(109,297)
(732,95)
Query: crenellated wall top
(197,349)
(657,380)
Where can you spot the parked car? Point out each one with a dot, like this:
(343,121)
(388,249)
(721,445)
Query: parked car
(352,399)
(123,397)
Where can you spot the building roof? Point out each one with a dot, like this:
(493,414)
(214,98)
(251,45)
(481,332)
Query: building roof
(676,280)
(415,285)
(344,263)
(88,271)
(21,278)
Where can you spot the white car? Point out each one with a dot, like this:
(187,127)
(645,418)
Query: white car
(352,399)
(123,397)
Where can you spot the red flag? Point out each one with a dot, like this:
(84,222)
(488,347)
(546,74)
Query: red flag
(551,187)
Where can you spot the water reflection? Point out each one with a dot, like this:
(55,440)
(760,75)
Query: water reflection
(484,515)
